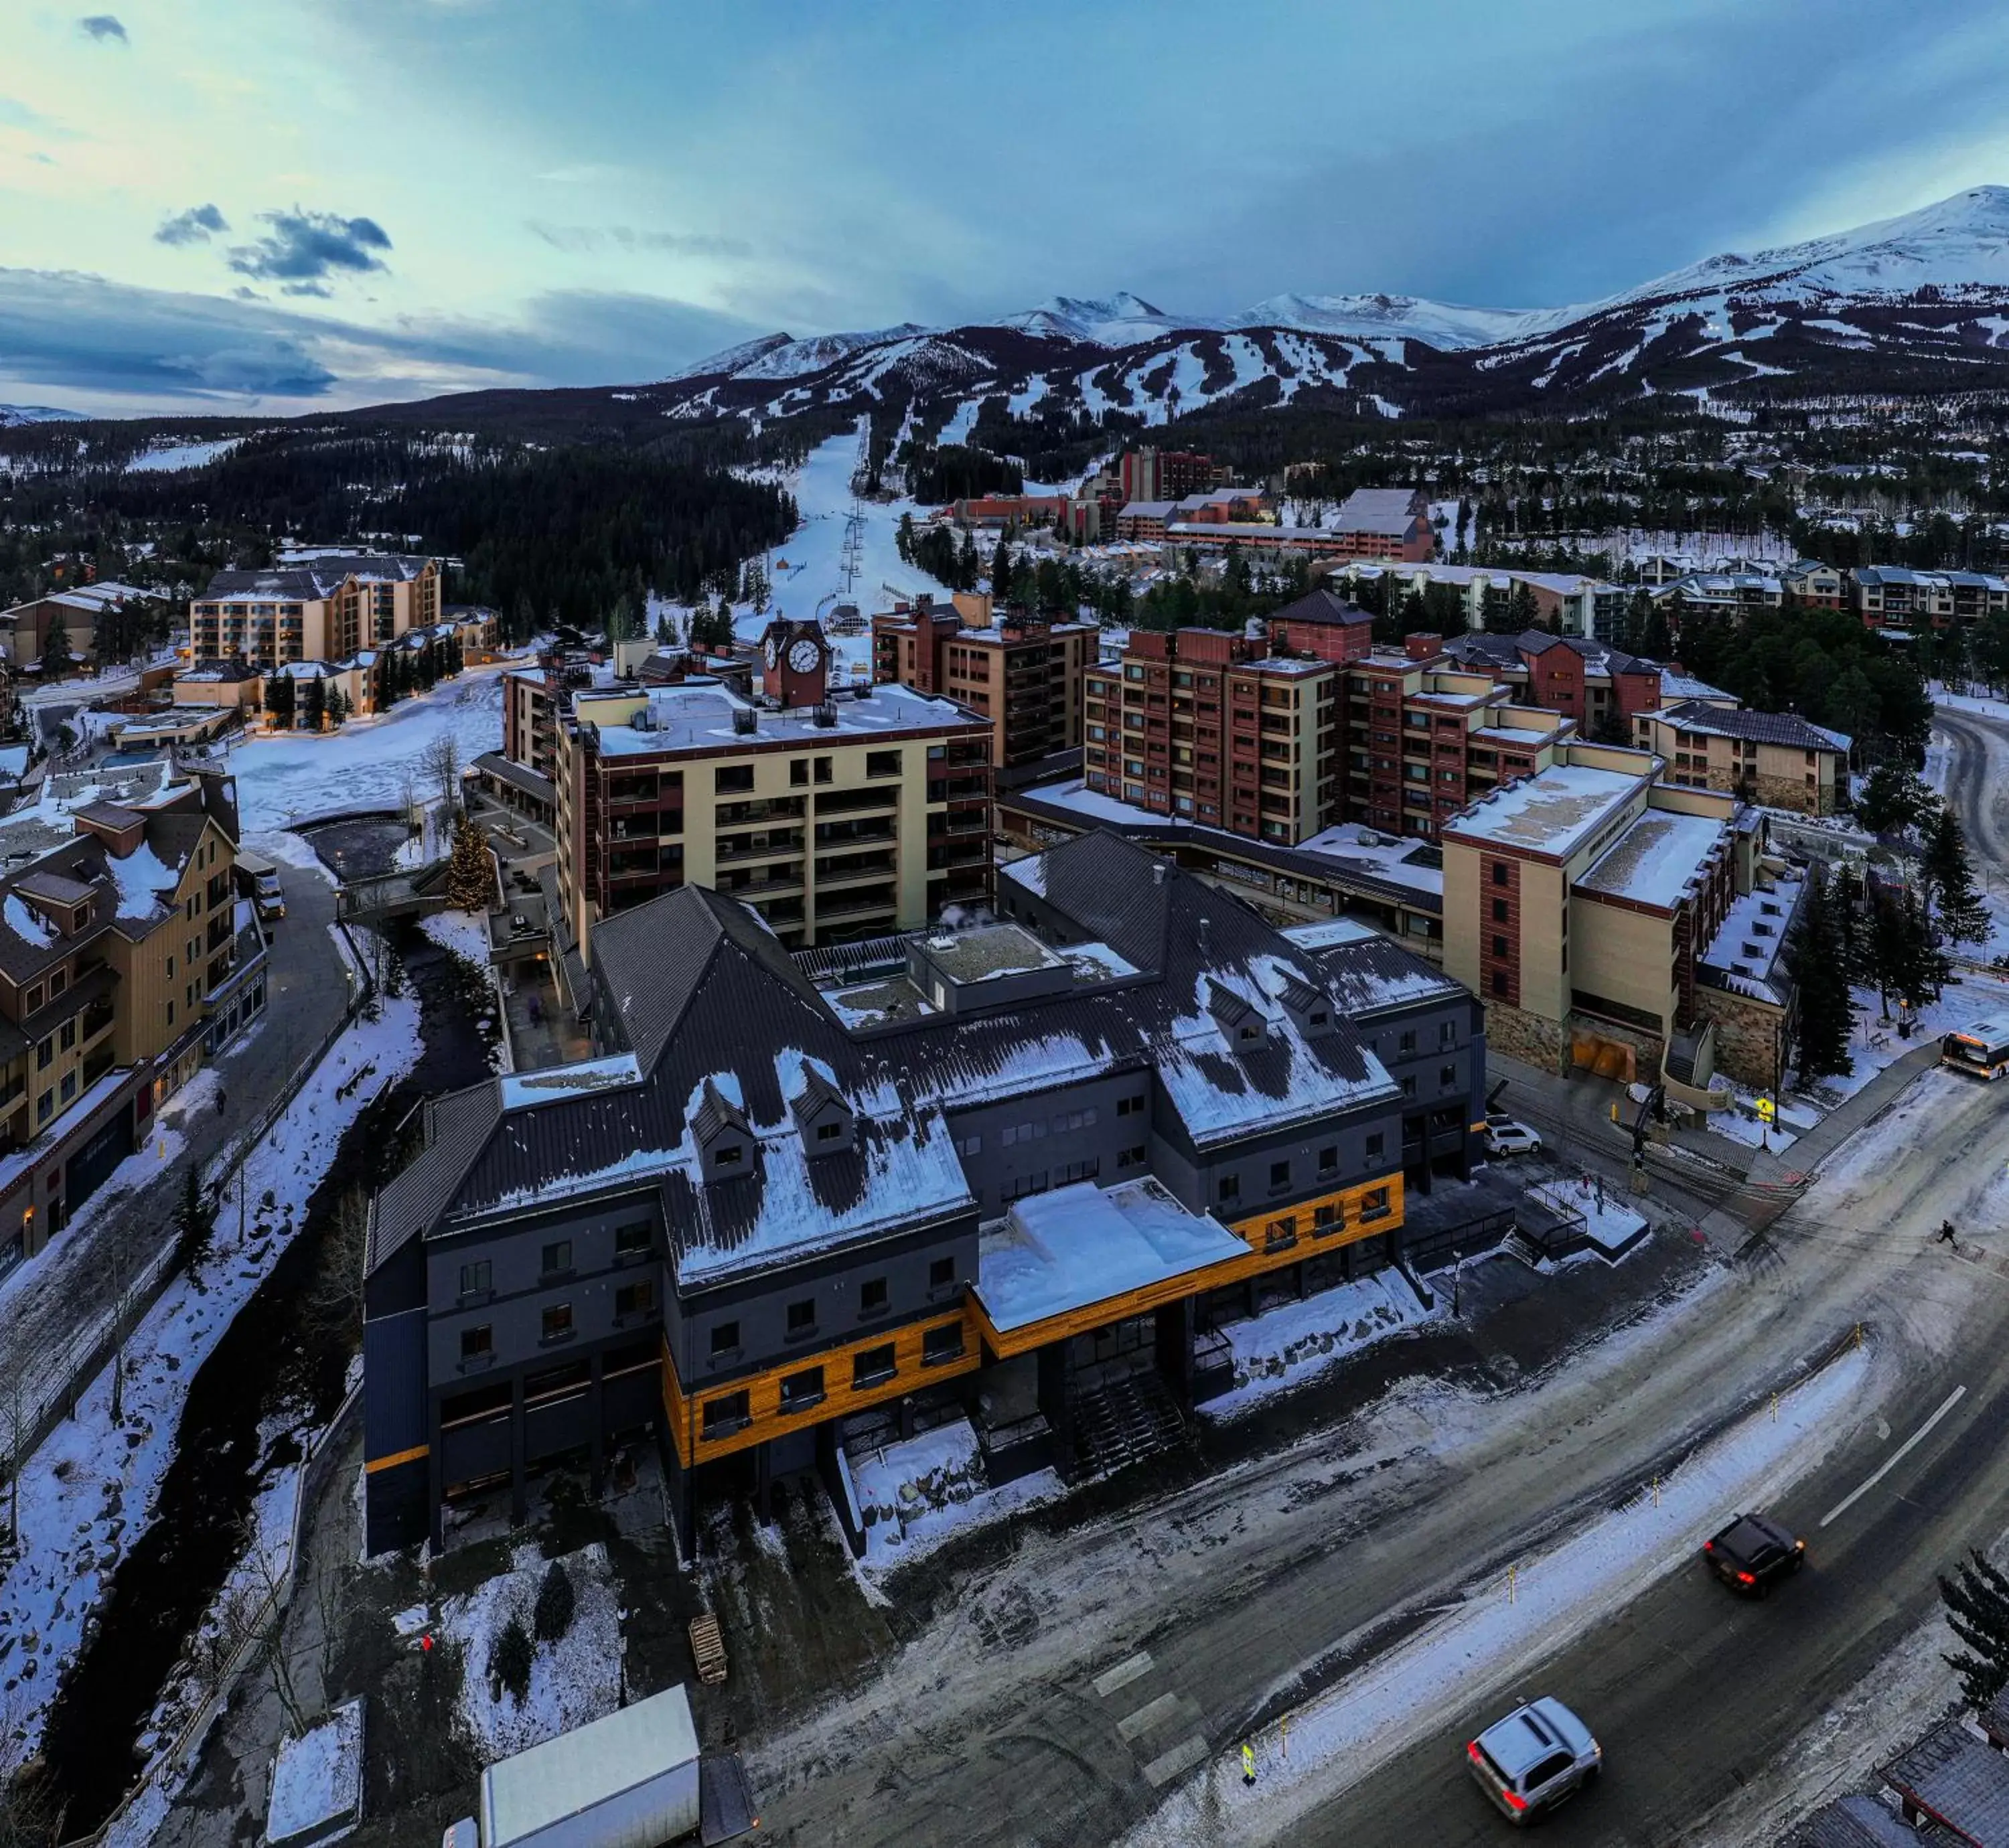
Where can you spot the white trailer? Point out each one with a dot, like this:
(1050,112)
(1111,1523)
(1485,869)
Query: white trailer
(627,1781)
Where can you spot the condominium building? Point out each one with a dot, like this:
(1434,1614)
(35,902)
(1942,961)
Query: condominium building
(1008,1172)
(1602,687)
(1166,474)
(1599,912)
(124,959)
(1577,605)
(1024,676)
(326,606)
(29,631)
(1778,758)
(1892,594)
(1384,523)
(834,813)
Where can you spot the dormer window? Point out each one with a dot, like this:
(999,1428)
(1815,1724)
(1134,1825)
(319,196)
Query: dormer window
(728,1155)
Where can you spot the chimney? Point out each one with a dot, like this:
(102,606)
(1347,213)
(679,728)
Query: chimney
(1158,873)
(1423,645)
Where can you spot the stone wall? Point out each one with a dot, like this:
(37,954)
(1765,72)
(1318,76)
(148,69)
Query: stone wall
(1525,1036)
(1748,1036)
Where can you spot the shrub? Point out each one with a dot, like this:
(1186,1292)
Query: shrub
(552,1618)
(509,1661)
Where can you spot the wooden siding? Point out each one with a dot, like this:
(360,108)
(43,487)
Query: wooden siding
(1350,1204)
(765,1417)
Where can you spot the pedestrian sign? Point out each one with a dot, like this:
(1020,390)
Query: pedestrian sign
(1768,1112)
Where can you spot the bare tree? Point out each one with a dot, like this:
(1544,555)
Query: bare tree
(407,799)
(440,761)
(335,1301)
(29,1816)
(15,1426)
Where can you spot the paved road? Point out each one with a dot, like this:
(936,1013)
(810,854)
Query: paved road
(989,1726)
(47,1302)
(1978,785)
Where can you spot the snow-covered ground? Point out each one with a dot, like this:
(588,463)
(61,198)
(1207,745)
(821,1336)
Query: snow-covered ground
(572,1680)
(284,778)
(466,935)
(169,456)
(914,1496)
(1295,1340)
(317,1780)
(1872,1046)
(1987,706)
(1609,1221)
(88,1493)
(1501,1629)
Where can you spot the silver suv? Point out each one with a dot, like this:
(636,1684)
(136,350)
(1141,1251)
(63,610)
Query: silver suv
(1540,1755)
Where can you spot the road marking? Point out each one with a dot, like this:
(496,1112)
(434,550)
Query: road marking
(1122,1675)
(1148,1716)
(1896,1456)
(1182,1757)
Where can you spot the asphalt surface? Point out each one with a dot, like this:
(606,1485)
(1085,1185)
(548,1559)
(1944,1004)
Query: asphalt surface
(1249,1591)
(1978,782)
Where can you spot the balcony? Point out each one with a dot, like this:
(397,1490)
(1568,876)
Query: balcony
(849,801)
(952,789)
(972,853)
(854,903)
(732,848)
(779,808)
(845,833)
(842,869)
(774,879)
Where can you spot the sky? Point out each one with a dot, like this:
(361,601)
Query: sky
(278,205)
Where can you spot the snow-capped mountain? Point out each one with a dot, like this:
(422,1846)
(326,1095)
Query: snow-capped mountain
(1915,304)
(12,415)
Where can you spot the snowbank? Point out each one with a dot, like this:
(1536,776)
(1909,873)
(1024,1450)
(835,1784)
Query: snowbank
(912,1497)
(317,1780)
(1295,1341)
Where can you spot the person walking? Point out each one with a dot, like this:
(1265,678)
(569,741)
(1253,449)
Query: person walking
(1248,1765)
(1945,1232)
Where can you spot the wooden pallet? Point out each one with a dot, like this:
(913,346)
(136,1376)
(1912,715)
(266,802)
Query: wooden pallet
(708,1647)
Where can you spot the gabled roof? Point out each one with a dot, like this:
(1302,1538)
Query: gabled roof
(1378,510)
(1786,728)
(1323,606)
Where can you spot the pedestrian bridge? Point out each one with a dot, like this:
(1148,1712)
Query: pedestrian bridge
(410,893)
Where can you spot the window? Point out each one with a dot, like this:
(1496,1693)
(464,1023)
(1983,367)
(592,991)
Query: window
(725,1337)
(1499,911)
(1500,873)
(68,1034)
(1020,1186)
(1064,1121)
(737,780)
(726,1414)
(171,1014)
(969,1145)
(1071,1171)
(632,1239)
(729,1156)
(1131,1158)
(1328,1218)
(798,771)
(45,1106)
(1280,1234)
(475,1278)
(1500,982)
(477,1343)
(1500,946)
(1328,1160)
(635,1299)
(1374,1203)
(872,1297)
(1408,1041)
(882,763)
(829,1132)
(1016,1133)
(558,1256)
(800,1391)
(941,1344)
(556,1323)
(1447,1076)
(1230,1187)
(1129,1106)
(872,1366)
(46,1052)
(801,1318)
(1279,1175)
(32,999)
(1409,1087)
(942,1274)
(1446,1034)
(1376,1146)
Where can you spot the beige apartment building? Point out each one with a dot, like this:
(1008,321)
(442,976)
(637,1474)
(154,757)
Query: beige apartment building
(835,815)
(1600,912)
(319,606)
(1779,759)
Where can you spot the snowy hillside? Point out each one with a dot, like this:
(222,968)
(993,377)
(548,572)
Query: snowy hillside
(13,414)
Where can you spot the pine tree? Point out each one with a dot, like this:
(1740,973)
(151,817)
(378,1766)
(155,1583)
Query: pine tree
(470,881)
(1894,800)
(1000,569)
(279,700)
(1818,965)
(1947,872)
(1852,927)
(512,1658)
(552,1616)
(314,706)
(1977,1611)
(195,1223)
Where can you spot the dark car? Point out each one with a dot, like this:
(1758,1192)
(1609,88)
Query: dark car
(1753,1552)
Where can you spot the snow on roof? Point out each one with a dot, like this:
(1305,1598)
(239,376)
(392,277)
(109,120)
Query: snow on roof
(1657,859)
(1555,811)
(696,714)
(1030,872)
(144,882)
(1060,1252)
(1675,685)
(1746,949)
(25,924)
(1329,933)
(522,1089)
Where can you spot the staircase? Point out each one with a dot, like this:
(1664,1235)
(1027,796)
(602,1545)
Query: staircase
(1122,1420)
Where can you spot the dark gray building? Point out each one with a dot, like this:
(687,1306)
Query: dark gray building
(791,1188)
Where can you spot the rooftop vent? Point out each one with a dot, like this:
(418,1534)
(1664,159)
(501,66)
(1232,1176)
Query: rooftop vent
(826,712)
(745,719)
(1752,950)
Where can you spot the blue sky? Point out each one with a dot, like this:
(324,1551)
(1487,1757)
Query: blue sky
(281,204)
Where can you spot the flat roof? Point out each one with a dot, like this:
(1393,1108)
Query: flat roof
(1555,811)
(990,950)
(692,717)
(530,1791)
(1082,1245)
(1657,858)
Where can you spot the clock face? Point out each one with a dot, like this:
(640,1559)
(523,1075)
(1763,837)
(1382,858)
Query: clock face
(773,651)
(804,655)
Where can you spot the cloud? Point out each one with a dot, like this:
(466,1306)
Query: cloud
(197,225)
(101,26)
(303,249)
(584,238)
(137,349)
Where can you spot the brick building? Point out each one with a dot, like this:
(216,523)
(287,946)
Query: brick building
(1778,758)
(318,606)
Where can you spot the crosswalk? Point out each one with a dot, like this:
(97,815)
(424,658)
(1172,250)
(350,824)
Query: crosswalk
(1159,1724)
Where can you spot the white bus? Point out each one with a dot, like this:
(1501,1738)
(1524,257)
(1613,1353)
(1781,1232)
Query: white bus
(1981,1050)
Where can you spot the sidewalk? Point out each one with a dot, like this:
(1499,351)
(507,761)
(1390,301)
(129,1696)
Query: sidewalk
(53,1305)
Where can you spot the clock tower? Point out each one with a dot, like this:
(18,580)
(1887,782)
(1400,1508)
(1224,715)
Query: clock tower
(795,662)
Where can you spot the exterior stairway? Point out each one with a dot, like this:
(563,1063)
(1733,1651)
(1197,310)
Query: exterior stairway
(1123,1419)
